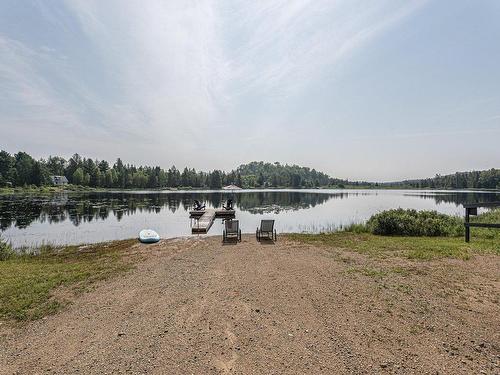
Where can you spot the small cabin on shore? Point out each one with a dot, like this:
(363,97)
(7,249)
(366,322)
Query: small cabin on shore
(59,180)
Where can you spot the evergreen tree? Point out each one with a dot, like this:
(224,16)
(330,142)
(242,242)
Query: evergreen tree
(78,177)
(24,164)
(56,165)
(7,169)
(215,180)
(238,182)
(40,174)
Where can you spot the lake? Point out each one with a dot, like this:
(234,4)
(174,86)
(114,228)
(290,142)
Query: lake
(74,218)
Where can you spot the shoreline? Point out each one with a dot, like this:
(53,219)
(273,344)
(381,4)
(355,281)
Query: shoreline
(82,189)
(453,223)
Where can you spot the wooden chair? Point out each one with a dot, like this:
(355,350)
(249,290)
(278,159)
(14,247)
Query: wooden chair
(198,206)
(229,205)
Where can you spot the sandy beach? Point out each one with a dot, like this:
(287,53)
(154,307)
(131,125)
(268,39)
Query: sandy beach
(196,306)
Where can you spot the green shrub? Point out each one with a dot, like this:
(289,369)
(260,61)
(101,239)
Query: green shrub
(402,222)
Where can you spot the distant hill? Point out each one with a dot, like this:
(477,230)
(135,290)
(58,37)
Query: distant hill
(260,174)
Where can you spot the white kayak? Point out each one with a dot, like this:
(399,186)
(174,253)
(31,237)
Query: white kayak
(148,236)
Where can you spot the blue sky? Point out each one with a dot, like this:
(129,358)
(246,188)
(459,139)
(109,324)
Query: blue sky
(374,90)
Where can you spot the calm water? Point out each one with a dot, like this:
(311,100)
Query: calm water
(73,218)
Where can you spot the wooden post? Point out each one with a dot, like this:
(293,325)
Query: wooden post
(467,228)
(471,210)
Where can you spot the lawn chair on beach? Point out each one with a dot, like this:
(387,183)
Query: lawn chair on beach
(266,230)
(231,230)
(229,205)
(198,206)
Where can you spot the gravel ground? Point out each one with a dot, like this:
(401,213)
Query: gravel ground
(195,306)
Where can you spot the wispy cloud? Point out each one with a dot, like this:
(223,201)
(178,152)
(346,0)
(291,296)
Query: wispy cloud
(27,96)
(284,45)
(166,62)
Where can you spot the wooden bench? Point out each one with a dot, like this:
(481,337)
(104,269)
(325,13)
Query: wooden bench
(470,210)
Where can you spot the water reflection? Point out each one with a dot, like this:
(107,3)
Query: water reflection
(21,211)
(457,197)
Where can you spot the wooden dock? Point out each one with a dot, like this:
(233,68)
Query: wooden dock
(205,218)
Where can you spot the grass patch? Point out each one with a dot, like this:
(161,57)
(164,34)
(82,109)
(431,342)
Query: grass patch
(5,250)
(31,285)
(413,242)
(355,228)
(46,189)
(423,248)
(491,216)
(400,271)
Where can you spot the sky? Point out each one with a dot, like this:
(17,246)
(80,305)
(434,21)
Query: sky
(366,90)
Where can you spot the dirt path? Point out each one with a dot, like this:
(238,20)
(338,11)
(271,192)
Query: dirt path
(196,307)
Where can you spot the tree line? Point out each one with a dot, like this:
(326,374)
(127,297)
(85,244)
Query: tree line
(21,169)
(487,179)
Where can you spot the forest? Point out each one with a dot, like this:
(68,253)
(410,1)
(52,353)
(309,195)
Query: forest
(487,179)
(21,169)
